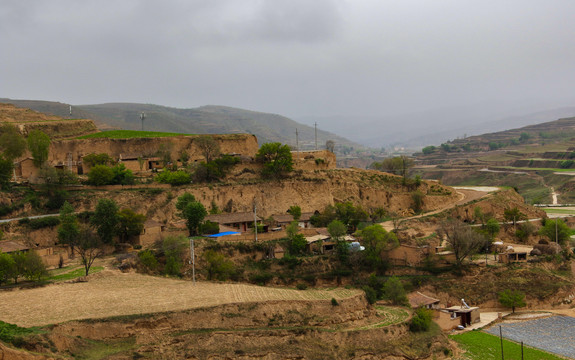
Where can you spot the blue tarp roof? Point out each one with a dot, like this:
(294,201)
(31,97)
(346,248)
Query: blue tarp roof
(224,234)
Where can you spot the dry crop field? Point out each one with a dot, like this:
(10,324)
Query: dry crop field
(111,293)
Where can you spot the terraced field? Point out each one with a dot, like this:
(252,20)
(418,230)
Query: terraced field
(111,293)
(388,316)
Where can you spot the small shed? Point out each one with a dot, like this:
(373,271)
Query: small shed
(418,300)
(510,257)
(468,315)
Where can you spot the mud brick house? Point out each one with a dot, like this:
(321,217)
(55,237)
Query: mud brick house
(239,221)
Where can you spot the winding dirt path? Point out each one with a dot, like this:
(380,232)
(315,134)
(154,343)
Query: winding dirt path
(466,195)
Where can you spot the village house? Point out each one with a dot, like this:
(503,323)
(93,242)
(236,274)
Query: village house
(283,220)
(239,221)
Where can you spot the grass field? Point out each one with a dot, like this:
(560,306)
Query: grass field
(110,293)
(483,346)
(69,274)
(128,134)
(559,211)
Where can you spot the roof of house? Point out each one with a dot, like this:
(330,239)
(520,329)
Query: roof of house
(417,299)
(287,218)
(12,246)
(232,218)
(152,223)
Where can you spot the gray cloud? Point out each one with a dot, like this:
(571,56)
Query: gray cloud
(294,57)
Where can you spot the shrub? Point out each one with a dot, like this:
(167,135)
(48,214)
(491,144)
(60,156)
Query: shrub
(261,278)
(334,302)
(393,290)
(421,321)
(174,178)
(172,266)
(209,227)
(148,259)
(40,223)
(370,294)
(301,286)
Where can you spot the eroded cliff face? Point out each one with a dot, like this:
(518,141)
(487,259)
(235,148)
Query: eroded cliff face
(243,144)
(310,190)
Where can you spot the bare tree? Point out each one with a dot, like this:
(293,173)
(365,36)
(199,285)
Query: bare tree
(89,248)
(462,239)
(208,147)
(330,145)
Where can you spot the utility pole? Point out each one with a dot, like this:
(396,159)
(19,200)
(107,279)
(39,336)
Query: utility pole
(315,125)
(556,232)
(70,110)
(193,260)
(255,219)
(142,117)
(296,140)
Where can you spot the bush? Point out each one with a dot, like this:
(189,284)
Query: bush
(334,302)
(172,266)
(261,278)
(209,227)
(301,286)
(148,259)
(40,223)
(421,321)
(370,294)
(174,178)
(393,290)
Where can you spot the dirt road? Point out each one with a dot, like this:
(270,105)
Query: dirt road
(466,195)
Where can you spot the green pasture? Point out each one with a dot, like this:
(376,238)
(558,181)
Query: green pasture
(483,346)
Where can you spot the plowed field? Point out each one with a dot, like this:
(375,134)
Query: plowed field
(110,293)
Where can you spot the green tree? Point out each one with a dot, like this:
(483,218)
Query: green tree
(69,229)
(399,165)
(130,224)
(524,230)
(20,264)
(97,159)
(192,211)
(513,215)
(276,159)
(492,228)
(39,145)
(105,220)
(7,268)
(100,175)
(337,231)
(148,259)
(34,268)
(376,239)
(297,245)
(350,215)
(173,247)
(428,150)
(421,321)
(393,290)
(122,176)
(218,267)
(12,143)
(556,231)
(295,211)
(6,171)
(512,299)
(417,198)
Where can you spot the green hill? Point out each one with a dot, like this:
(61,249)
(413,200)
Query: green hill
(203,120)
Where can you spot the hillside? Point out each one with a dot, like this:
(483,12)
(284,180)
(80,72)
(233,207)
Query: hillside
(55,126)
(202,120)
(537,160)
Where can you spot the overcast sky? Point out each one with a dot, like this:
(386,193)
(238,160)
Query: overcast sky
(292,57)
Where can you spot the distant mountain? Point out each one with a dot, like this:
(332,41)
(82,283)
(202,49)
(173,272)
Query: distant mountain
(434,127)
(203,120)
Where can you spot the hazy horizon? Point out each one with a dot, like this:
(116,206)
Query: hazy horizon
(385,60)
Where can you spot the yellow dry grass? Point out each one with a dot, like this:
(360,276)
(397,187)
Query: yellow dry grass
(111,293)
